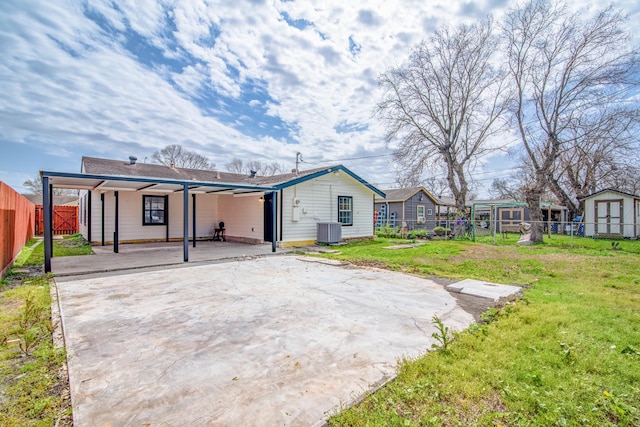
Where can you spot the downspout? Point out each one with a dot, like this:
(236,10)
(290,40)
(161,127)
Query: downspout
(281,220)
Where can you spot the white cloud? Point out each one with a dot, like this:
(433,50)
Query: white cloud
(73,87)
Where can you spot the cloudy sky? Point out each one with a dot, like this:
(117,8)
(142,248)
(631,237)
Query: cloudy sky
(249,79)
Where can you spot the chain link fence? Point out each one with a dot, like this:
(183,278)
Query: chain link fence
(467,229)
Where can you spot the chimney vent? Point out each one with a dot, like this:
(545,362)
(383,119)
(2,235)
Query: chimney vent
(133,160)
(253,174)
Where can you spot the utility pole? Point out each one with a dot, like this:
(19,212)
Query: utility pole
(298,161)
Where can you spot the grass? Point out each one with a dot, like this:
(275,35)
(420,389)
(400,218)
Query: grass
(568,353)
(71,245)
(33,383)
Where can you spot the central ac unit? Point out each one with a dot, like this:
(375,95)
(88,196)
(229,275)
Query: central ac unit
(329,232)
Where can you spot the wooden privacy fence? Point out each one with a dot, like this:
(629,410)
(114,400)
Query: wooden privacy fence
(17,218)
(65,220)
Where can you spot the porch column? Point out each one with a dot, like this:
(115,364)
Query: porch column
(185,230)
(193,197)
(53,221)
(115,233)
(47,224)
(88,218)
(102,216)
(274,234)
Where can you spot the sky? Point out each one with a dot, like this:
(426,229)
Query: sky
(248,79)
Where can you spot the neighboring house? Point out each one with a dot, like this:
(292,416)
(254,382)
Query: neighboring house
(408,208)
(36,199)
(126,201)
(612,213)
(507,214)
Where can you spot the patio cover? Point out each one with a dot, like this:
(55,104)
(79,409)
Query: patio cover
(81,181)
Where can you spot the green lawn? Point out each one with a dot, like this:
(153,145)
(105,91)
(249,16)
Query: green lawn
(67,246)
(33,384)
(568,353)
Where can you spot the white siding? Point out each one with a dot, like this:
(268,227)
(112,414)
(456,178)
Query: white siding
(130,217)
(629,213)
(242,216)
(319,203)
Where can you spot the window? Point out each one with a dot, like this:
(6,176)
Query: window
(345,210)
(420,214)
(429,212)
(154,210)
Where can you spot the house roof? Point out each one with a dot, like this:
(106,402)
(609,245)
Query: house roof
(510,202)
(109,174)
(36,199)
(612,190)
(403,194)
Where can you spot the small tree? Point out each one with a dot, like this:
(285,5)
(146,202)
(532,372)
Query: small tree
(34,186)
(444,104)
(176,155)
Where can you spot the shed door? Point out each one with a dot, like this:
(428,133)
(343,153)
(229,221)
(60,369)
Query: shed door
(608,216)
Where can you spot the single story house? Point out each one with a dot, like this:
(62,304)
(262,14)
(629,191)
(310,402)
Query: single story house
(612,213)
(408,208)
(127,201)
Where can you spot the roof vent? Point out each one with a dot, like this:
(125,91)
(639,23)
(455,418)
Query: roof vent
(218,175)
(252,174)
(133,160)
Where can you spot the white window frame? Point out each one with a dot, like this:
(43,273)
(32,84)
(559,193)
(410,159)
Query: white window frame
(420,219)
(344,211)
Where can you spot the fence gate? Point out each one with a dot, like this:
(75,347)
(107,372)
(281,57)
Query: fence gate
(65,220)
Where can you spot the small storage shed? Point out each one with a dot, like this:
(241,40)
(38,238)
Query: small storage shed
(612,213)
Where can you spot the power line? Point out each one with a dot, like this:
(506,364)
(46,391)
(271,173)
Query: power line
(349,158)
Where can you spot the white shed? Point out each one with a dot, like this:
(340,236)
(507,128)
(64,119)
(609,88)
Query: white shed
(612,213)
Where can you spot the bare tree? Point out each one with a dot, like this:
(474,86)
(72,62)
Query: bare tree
(176,155)
(506,188)
(596,160)
(274,168)
(262,169)
(235,166)
(444,104)
(563,68)
(34,186)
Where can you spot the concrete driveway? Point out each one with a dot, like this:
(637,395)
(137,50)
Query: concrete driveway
(275,341)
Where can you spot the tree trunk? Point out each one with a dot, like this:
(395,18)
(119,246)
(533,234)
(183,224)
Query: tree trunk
(533,195)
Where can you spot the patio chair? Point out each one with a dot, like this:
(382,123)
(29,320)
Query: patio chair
(218,233)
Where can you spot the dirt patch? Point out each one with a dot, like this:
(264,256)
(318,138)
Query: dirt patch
(472,304)
(17,275)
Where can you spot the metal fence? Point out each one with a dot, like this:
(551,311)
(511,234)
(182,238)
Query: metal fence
(465,228)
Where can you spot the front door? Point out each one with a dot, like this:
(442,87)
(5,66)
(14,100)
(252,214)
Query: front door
(608,216)
(268,217)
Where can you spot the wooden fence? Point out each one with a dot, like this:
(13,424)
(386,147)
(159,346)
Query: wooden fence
(17,223)
(65,220)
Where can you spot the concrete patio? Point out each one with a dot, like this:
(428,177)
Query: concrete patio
(158,254)
(279,340)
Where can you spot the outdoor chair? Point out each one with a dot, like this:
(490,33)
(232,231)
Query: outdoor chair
(218,233)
